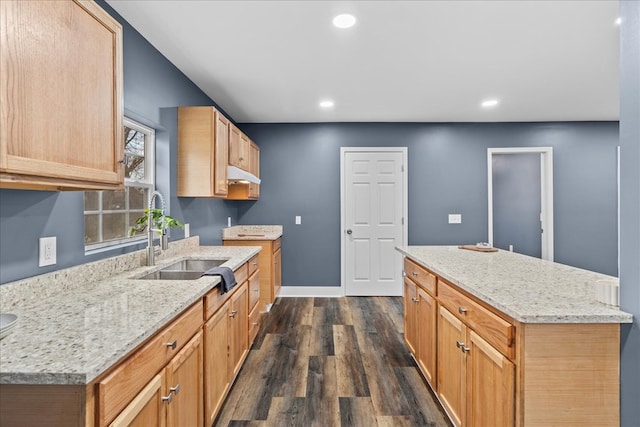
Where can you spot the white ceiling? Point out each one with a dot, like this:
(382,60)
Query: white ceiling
(407,61)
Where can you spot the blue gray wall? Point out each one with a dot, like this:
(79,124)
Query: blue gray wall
(630,209)
(300,168)
(153,88)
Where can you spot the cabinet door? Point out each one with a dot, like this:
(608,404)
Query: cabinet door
(234,146)
(239,329)
(244,153)
(410,331)
(216,361)
(184,383)
(490,385)
(146,409)
(254,168)
(426,321)
(221,156)
(61,116)
(451,365)
(277,274)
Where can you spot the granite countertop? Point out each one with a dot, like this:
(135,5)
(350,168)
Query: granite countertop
(529,290)
(252,232)
(72,327)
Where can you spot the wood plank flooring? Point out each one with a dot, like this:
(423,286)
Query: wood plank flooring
(331,362)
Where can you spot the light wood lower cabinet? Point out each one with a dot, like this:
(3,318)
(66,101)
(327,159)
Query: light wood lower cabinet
(270,260)
(216,369)
(491,370)
(173,397)
(451,365)
(238,329)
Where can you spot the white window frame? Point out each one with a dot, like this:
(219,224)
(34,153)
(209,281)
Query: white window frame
(148,182)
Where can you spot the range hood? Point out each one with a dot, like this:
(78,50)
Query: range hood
(237,175)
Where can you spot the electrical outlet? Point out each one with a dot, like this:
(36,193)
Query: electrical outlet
(298,220)
(187,232)
(47,253)
(455,218)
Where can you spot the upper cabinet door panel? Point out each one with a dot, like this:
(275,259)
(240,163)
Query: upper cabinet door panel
(61,85)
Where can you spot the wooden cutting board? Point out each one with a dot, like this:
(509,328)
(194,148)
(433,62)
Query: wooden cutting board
(477,249)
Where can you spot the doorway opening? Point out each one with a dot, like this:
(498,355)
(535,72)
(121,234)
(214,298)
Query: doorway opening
(543,178)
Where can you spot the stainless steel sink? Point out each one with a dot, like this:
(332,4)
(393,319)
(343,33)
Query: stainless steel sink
(188,269)
(201,265)
(172,275)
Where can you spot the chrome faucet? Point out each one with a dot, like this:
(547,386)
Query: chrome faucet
(151,250)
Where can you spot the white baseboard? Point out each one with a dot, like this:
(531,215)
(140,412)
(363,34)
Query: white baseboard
(311,291)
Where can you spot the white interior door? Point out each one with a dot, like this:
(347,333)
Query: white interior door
(374,208)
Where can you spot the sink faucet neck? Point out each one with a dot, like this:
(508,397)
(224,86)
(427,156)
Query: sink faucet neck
(151,251)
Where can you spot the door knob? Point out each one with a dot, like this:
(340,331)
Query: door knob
(349,231)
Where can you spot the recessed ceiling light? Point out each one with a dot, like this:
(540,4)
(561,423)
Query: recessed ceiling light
(488,103)
(327,103)
(618,21)
(344,21)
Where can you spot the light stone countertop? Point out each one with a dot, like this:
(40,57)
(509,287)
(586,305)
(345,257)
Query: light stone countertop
(252,232)
(75,324)
(529,290)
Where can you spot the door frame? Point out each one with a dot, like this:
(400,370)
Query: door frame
(546,191)
(405,202)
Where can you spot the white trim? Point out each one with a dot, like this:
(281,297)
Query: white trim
(546,186)
(311,291)
(405,201)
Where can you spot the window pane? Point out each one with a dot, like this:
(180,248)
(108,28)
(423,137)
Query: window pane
(91,200)
(138,197)
(134,142)
(91,232)
(113,226)
(113,200)
(132,223)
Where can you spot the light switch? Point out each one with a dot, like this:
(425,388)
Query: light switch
(187,232)
(455,218)
(298,220)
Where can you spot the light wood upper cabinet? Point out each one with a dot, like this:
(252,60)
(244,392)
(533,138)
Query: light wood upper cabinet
(203,144)
(61,99)
(239,148)
(254,168)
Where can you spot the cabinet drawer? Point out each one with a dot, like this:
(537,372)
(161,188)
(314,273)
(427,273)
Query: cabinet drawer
(242,273)
(254,323)
(495,330)
(117,389)
(277,244)
(254,290)
(424,278)
(253,265)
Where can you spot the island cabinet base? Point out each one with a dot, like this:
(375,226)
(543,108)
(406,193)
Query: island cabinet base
(568,374)
(46,405)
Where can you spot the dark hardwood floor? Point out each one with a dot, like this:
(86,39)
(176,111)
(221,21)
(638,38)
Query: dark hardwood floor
(331,362)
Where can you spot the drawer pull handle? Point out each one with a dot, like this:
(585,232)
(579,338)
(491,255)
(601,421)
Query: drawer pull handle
(414,274)
(175,389)
(414,299)
(173,344)
(255,264)
(233,313)
(462,310)
(167,399)
(255,323)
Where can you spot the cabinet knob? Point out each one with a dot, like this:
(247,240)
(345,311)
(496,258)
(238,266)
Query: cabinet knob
(167,399)
(175,389)
(462,310)
(414,299)
(233,313)
(173,344)
(414,274)
(462,347)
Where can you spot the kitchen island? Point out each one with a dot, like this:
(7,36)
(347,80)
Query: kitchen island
(88,333)
(507,339)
